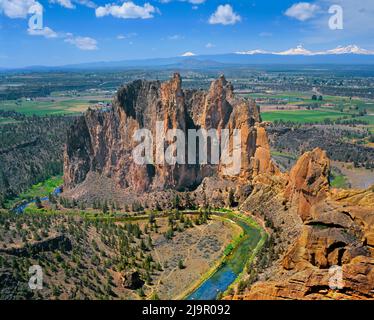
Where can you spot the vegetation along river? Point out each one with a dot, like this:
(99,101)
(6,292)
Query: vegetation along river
(233,264)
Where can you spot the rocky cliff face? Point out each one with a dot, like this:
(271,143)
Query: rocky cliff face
(315,229)
(100,144)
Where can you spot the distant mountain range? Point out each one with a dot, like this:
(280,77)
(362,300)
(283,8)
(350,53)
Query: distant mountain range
(349,55)
(301,51)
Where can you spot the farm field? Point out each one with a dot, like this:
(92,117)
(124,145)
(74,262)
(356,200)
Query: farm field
(299,100)
(58,106)
(294,97)
(302,116)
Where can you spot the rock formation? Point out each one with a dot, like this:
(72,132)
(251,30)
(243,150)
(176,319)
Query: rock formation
(308,181)
(316,230)
(98,152)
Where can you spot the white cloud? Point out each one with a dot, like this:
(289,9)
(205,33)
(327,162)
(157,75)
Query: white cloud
(209,45)
(126,36)
(128,10)
(175,37)
(70,3)
(64,3)
(45,32)
(17,8)
(83,43)
(196,2)
(224,15)
(87,3)
(188,54)
(302,11)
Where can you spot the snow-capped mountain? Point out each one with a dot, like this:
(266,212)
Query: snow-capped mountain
(301,51)
(351,49)
(256,51)
(188,54)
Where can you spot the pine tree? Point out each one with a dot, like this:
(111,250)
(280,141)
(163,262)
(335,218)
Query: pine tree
(38,203)
(105,207)
(180,264)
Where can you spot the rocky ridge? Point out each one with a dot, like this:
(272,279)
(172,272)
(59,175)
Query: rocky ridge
(99,146)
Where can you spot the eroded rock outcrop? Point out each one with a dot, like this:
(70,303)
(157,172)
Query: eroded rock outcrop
(100,144)
(308,181)
(316,229)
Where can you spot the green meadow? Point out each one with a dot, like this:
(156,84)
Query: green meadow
(302,116)
(40,189)
(52,107)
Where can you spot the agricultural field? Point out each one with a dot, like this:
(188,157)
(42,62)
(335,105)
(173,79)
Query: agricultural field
(305,98)
(52,105)
(307,107)
(301,116)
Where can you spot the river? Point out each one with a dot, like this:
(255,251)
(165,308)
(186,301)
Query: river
(234,264)
(20,208)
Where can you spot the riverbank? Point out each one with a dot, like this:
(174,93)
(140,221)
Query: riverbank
(215,267)
(40,190)
(229,269)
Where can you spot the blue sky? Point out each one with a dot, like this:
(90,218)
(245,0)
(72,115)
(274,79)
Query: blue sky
(77,31)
